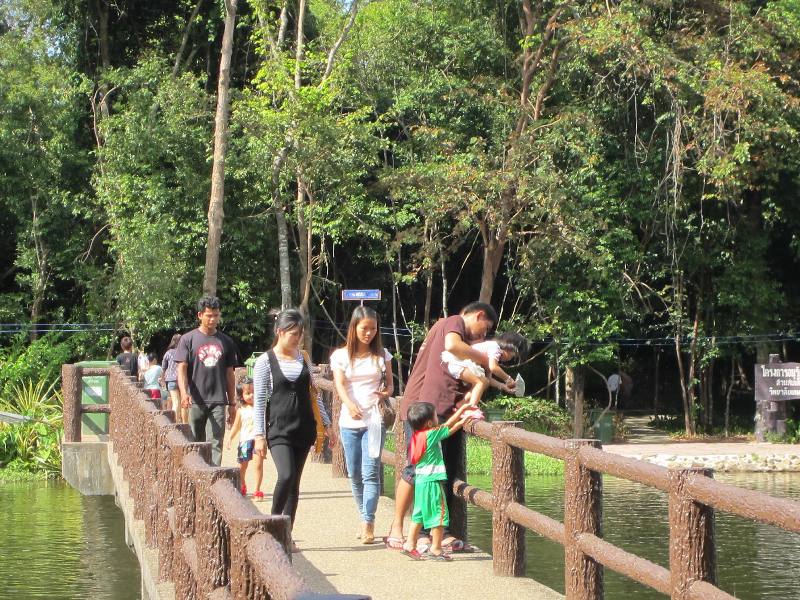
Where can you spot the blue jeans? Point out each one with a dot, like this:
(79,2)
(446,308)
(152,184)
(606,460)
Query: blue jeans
(364,472)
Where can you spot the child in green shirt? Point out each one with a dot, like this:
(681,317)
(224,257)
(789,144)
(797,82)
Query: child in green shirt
(430,506)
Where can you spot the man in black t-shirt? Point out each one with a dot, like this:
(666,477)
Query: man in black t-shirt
(206,360)
(127,360)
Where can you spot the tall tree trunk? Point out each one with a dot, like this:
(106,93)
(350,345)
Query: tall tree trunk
(215,205)
(492,256)
(687,381)
(305,250)
(176,68)
(285,269)
(710,394)
(655,385)
(428,237)
(42,274)
(444,277)
(574,384)
(731,383)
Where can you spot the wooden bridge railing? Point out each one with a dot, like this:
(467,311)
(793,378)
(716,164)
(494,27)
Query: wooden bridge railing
(212,542)
(693,496)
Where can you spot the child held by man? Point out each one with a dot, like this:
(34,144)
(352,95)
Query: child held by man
(505,347)
(425,452)
(243,426)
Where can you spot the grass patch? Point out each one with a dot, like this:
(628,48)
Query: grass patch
(479,459)
(17,472)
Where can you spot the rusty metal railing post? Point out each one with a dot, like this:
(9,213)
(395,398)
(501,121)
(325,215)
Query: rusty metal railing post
(71,390)
(692,553)
(583,513)
(508,485)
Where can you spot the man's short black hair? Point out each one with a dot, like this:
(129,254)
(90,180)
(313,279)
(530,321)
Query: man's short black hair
(126,343)
(487,309)
(211,302)
(419,414)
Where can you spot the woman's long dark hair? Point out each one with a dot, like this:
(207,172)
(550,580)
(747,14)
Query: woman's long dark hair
(375,345)
(173,343)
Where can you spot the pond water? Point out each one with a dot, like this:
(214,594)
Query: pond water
(57,544)
(755,562)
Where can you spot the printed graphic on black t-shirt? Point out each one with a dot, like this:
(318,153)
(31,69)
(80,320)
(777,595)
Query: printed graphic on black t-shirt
(208,358)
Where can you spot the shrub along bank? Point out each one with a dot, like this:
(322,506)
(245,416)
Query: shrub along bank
(29,386)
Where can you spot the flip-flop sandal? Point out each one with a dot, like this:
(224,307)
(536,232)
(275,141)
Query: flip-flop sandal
(393,543)
(414,554)
(458,546)
(438,557)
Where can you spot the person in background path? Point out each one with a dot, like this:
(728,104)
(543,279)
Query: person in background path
(289,416)
(430,382)
(142,362)
(206,360)
(127,359)
(243,426)
(170,380)
(425,453)
(151,378)
(362,372)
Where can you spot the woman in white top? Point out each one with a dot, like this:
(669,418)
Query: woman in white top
(362,372)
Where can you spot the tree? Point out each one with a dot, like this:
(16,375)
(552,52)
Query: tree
(216,202)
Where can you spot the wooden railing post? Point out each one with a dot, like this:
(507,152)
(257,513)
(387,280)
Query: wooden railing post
(400,444)
(692,554)
(338,463)
(71,389)
(583,513)
(242,581)
(508,485)
(458,506)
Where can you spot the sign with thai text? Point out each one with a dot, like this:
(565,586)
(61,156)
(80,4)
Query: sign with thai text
(777,381)
(361,295)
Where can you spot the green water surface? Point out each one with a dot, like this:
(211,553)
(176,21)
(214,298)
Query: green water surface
(755,562)
(58,545)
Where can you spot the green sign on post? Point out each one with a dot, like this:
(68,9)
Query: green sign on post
(250,362)
(94,390)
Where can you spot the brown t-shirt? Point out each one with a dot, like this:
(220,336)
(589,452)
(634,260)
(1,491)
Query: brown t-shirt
(429,380)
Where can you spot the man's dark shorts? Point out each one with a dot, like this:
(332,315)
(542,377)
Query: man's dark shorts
(408,471)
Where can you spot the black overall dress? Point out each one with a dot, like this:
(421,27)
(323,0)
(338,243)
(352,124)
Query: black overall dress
(290,419)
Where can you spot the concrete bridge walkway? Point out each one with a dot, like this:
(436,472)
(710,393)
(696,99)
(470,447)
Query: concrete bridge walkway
(333,560)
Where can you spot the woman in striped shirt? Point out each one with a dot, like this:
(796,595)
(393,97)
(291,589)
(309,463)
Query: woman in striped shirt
(289,416)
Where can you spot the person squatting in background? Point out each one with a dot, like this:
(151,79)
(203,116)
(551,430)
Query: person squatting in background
(289,416)
(362,373)
(243,426)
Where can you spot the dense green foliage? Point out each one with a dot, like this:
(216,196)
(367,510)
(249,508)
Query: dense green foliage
(535,414)
(31,447)
(596,169)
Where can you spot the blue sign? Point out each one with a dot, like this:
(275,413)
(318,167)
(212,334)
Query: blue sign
(361,295)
